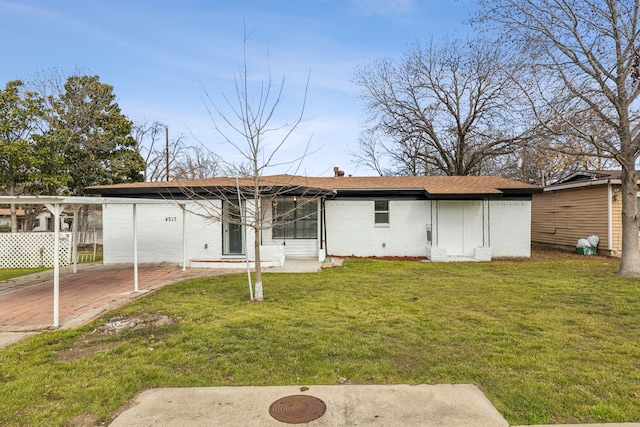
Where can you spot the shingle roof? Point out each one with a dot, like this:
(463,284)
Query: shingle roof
(432,185)
(588,175)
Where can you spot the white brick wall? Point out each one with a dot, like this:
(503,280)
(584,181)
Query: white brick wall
(159,230)
(351,229)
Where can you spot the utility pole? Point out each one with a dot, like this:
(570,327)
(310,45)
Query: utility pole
(166,129)
(524,165)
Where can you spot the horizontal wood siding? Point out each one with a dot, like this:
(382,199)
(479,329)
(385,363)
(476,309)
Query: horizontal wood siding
(561,217)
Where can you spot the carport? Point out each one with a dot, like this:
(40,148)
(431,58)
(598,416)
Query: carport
(56,204)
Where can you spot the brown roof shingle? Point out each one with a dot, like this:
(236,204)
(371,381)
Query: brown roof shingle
(433,185)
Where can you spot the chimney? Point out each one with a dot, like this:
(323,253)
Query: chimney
(337,172)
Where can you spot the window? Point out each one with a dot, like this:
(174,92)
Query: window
(381,208)
(295,218)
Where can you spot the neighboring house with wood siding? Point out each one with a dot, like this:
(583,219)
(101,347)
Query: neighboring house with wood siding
(587,203)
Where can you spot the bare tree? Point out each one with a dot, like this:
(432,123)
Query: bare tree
(372,153)
(197,163)
(445,109)
(582,54)
(543,162)
(248,120)
(152,146)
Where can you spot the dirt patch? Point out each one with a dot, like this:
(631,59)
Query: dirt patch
(541,252)
(116,325)
(84,419)
(390,258)
(89,419)
(401,258)
(101,338)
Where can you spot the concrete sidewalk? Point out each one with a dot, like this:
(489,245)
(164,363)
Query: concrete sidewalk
(346,405)
(444,405)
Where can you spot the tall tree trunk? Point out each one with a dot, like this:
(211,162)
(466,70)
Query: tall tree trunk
(83,219)
(31,213)
(630,259)
(13,209)
(14,218)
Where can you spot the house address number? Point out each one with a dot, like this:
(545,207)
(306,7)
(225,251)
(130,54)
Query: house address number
(171,219)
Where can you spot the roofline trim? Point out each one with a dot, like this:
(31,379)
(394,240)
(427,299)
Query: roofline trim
(79,200)
(581,184)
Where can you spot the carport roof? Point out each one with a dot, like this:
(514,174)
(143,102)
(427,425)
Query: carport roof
(75,200)
(56,203)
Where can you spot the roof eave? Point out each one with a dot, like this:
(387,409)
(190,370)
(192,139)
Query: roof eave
(580,184)
(212,191)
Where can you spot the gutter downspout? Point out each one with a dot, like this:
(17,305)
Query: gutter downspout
(324,228)
(324,221)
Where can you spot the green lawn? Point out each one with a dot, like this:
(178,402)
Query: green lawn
(555,339)
(10,273)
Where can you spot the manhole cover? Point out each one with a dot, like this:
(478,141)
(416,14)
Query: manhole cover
(297,409)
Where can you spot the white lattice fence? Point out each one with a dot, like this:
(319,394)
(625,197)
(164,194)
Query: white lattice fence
(33,250)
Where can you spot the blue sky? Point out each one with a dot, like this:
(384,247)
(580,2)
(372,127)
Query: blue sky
(160,56)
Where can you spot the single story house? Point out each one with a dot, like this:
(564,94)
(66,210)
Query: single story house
(586,203)
(42,222)
(437,217)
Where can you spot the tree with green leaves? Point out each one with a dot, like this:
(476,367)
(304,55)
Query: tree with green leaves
(21,112)
(95,137)
(88,136)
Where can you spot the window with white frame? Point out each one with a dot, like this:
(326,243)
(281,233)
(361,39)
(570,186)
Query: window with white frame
(381,211)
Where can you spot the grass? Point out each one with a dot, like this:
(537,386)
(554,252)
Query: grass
(553,339)
(10,273)
(87,256)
